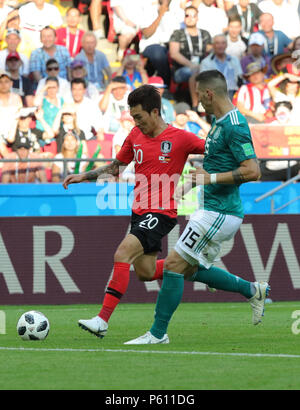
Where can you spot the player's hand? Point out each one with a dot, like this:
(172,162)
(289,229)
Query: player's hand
(72,179)
(199,176)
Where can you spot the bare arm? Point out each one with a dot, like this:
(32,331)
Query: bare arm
(247,171)
(150,30)
(101,172)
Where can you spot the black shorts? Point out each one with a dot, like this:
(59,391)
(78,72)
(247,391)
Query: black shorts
(150,228)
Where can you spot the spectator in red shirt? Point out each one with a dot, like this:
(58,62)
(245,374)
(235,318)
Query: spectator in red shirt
(71,35)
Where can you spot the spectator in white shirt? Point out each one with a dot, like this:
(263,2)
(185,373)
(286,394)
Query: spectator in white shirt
(13,39)
(89,117)
(36,15)
(212,19)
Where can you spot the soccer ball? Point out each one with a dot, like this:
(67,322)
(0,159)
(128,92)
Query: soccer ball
(33,325)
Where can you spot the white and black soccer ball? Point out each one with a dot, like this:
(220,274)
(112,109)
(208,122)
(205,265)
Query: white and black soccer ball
(33,325)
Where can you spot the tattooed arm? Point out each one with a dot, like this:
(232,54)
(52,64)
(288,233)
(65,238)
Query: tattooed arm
(247,171)
(110,169)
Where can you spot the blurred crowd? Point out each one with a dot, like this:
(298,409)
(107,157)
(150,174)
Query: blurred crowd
(61,97)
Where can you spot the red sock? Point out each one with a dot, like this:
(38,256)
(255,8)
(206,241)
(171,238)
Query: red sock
(115,290)
(159,270)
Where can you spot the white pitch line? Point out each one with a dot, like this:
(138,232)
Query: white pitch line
(174,352)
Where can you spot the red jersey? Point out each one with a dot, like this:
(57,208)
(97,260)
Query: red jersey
(71,41)
(159,163)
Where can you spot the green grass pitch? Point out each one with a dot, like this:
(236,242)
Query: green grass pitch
(212,346)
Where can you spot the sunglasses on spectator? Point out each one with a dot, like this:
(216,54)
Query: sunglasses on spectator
(54,68)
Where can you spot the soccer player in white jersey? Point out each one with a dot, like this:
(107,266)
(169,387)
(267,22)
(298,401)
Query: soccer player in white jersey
(229,161)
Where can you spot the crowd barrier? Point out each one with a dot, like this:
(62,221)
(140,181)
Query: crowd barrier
(64,260)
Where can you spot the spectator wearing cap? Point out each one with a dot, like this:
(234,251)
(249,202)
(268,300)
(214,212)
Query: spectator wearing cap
(23,129)
(25,171)
(21,84)
(40,56)
(113,102)
(188,120)
(13,40)
(34,16)
(89,116)
(70,36)
(256,54)
(253,99)
(188,46)
(77,70)
(249,14)
(126,18)
(10,103)
(52,70)
(167,109)
(132,69)
(96,63)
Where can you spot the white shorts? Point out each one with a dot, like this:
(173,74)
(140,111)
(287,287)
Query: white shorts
(122,28)
(200,242)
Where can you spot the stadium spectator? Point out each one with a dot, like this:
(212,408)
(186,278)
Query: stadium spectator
(96,63)
(285,87)
(95,11)
(228,65)
(253,99)
(23,172)
(113,102)
(285,14)
(52,70)
(23,129)
(189,120)
(275,40)
(40,56)
(132,69)
(188,46)
(34,16)
(126,125)
(157,24)
(283,113)
(256,53)
(212,19)
(4,10)
(50,102)
(89,116)
(10,103)
(66,122)
(77,70)
(296,44)
(126,18)
(249,14)
(13,40)
(71,148)
(236,44)
(21,85)
(167,109)
(70,35)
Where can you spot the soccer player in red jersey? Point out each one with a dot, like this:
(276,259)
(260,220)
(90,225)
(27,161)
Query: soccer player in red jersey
(160,152)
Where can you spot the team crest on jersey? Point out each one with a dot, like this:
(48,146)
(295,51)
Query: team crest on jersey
(166,147)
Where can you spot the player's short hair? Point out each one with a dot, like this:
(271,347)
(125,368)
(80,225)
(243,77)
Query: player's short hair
(147,96)
(214,80)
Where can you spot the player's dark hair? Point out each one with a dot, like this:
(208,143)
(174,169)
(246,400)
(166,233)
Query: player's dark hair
(213,79)
(147,96)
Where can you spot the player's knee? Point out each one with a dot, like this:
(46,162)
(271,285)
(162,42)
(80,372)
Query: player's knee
(122,255)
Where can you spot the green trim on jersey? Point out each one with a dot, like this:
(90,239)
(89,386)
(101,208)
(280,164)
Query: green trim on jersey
(228,143)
